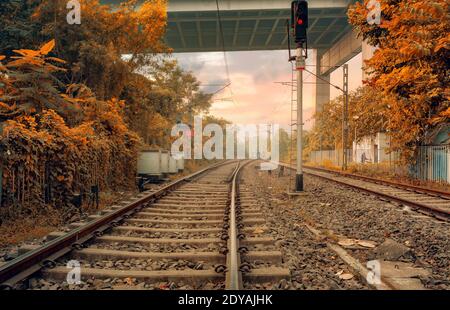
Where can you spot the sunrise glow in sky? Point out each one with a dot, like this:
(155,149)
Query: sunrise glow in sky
(254,96)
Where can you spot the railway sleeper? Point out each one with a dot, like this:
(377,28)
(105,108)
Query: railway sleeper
(268,274)
(204,241)
(185,230)
(192,222)
(273,257)
(189,276)
(199,216)
(190,206)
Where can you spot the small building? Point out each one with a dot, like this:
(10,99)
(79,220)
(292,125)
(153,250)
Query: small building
(372,149)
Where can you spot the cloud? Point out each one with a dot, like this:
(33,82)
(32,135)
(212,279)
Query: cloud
(256,98)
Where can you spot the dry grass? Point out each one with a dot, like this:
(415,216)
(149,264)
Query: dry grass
(16,231)
(192,166)
(108,199)
(28,227)
(384,171)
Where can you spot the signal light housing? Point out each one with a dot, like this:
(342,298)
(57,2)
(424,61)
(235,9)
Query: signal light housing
(299,20)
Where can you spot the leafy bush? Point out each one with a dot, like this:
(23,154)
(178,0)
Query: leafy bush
(46,160)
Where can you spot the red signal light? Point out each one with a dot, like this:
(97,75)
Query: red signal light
(299,20)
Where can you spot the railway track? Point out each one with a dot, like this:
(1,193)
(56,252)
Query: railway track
(431,202)
(204,231)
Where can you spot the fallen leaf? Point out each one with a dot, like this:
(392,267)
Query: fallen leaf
(366,243)
(346,276)
(258,230)
(347,242)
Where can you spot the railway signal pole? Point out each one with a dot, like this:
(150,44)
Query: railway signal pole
(300,66)
(299,20)
(345,120)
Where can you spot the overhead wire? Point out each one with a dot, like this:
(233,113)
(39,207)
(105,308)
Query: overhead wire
(322,79)
(222,39)
(218,91)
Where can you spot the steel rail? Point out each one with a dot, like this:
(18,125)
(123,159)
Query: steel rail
(233,276)
(417,189)
(33,261)
(233,279)
(436,211)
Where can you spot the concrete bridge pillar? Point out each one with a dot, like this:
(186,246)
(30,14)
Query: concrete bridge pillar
(367,53)
(322,86)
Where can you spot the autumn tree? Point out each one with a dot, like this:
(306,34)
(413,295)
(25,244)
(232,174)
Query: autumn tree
(70,108)
(163,95)
(17,29)
(119,53)
(95,48)
(410,67)
(366,116)
(284,142)
(183,87)
(46,160)
(30,85)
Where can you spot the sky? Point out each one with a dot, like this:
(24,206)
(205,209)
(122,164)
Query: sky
(254,96)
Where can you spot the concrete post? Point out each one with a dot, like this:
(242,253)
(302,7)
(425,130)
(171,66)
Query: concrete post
(322,88)
(300,66)
(367,53)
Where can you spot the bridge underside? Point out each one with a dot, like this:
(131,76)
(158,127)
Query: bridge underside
(250,30)
(249,25)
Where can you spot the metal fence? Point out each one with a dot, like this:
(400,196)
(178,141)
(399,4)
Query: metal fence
(432,164)
(332,156)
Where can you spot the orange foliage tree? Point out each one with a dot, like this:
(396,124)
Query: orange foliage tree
(94,49)
(410,66)
(45,160)
(31,86)
(75,109)
(366,118)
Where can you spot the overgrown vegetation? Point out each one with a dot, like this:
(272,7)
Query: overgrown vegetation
(78,103)
(410,67)
(407,93)
(365,114)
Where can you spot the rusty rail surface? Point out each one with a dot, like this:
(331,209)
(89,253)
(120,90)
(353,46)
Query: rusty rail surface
(440,213)
(233,279)
(408,187)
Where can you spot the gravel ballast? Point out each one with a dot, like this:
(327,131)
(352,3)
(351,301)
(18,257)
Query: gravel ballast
(342,212)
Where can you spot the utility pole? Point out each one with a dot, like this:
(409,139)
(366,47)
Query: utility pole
(345,120)
(1,171)
(299,22)
(300,66)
